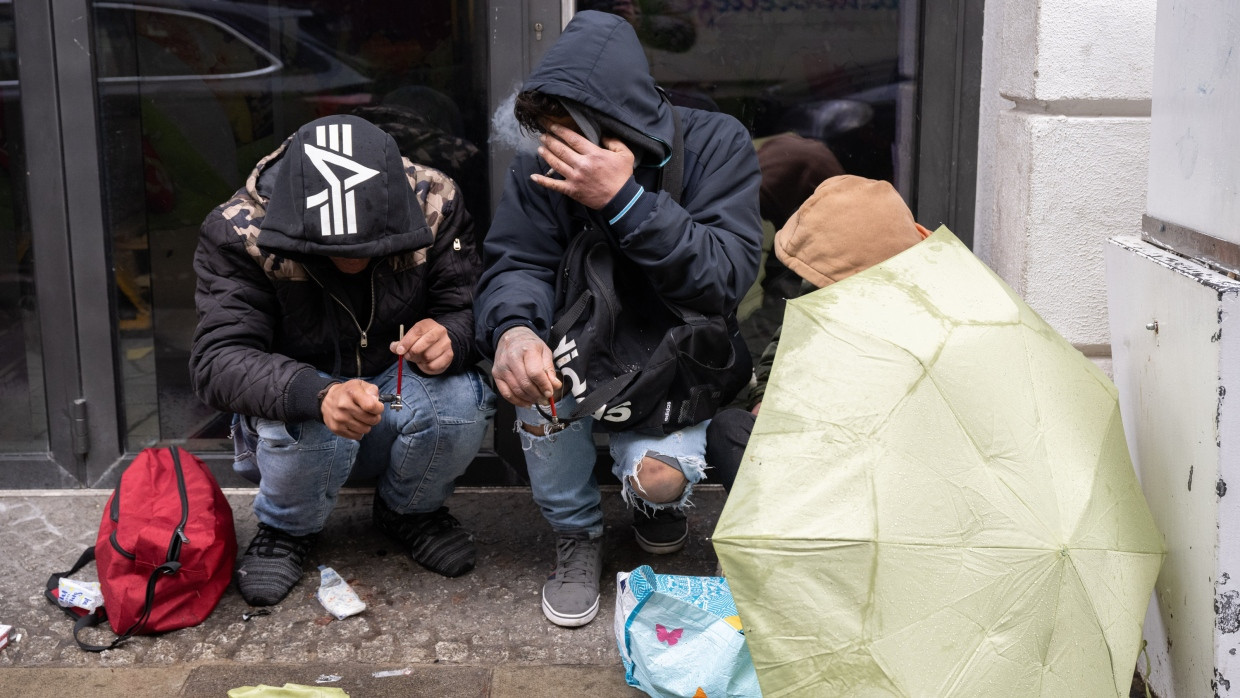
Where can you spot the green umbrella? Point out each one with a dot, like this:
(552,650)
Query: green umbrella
(937,499)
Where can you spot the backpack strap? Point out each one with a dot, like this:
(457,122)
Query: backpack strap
(570,316)
(80,620)
(92,619)
(674,171)
(671,177)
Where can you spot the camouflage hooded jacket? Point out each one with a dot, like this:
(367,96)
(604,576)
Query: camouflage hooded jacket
(271,324)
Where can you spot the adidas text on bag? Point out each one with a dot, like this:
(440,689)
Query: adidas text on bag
(635,362)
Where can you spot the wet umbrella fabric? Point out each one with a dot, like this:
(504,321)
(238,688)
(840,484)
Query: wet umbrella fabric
(937,499)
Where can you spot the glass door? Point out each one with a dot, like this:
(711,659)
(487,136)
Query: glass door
(111,157)
(192,93)
(23,400)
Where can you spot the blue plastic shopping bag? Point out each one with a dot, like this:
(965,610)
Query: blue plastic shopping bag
(681,636)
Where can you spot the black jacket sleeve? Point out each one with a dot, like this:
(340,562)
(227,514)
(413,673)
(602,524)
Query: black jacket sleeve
(704,252)
(232,367)
(521,256)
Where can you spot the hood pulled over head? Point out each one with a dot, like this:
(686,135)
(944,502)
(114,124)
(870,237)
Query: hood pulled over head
(846,226)
(598,70)
(340,190)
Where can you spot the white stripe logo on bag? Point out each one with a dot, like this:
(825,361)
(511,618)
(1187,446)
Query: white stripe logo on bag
(337,210)
(564,353)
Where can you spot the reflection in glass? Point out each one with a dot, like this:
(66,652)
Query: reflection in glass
(194,92)
(23,406)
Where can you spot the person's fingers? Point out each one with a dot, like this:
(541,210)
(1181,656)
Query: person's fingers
(428,344)
(433,353)
(616,145)
(556,185)
(521,360)
(555,152)
(360,416)
(572,140)
(555,162)
(525,386)
(356,432)
(346,427)
(357,402)
(506,382)
(509,392)
(405,344)
(553,378)
(438,363)
(541,371)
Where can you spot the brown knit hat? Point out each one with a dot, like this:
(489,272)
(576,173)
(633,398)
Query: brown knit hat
(848,225)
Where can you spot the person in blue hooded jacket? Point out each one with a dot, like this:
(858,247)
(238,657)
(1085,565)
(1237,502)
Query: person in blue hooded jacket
(605,132)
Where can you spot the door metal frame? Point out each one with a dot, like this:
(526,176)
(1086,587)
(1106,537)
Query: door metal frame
(949,90)
(516,47)
(71,253)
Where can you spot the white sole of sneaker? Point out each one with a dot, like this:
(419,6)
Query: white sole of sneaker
(569,621)
(660,548)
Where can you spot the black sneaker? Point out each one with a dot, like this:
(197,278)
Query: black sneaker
(271,565)
(665,531)
(436,539)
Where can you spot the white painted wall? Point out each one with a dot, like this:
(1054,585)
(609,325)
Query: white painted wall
(1063,150)
(1195,169)
(1183,429)
(1178,386)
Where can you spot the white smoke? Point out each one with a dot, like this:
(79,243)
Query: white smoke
(506,131)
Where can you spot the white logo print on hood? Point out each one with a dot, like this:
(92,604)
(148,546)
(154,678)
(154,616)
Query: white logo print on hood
(340,190)
(337,207)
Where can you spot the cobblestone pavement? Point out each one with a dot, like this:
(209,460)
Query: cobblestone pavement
(480,634)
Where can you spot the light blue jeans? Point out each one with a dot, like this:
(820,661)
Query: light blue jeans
(417,452)
(561,467)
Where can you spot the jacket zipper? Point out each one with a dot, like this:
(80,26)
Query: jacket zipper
(357,351)
(178,534)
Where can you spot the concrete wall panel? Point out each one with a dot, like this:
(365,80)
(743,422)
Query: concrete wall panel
(1067,50)
(1065,186)
(1195,173)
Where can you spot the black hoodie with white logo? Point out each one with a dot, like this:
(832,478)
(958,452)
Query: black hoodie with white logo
(274,313)
(701,253)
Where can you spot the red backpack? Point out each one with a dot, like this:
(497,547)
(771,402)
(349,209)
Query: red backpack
(165,550)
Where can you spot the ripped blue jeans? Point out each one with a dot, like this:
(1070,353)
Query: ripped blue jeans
(561,467)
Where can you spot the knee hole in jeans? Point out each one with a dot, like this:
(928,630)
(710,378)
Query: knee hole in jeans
(666,488)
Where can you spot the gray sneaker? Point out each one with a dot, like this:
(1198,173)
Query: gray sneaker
(570,595)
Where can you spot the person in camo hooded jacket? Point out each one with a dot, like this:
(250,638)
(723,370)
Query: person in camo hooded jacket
(305,277)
